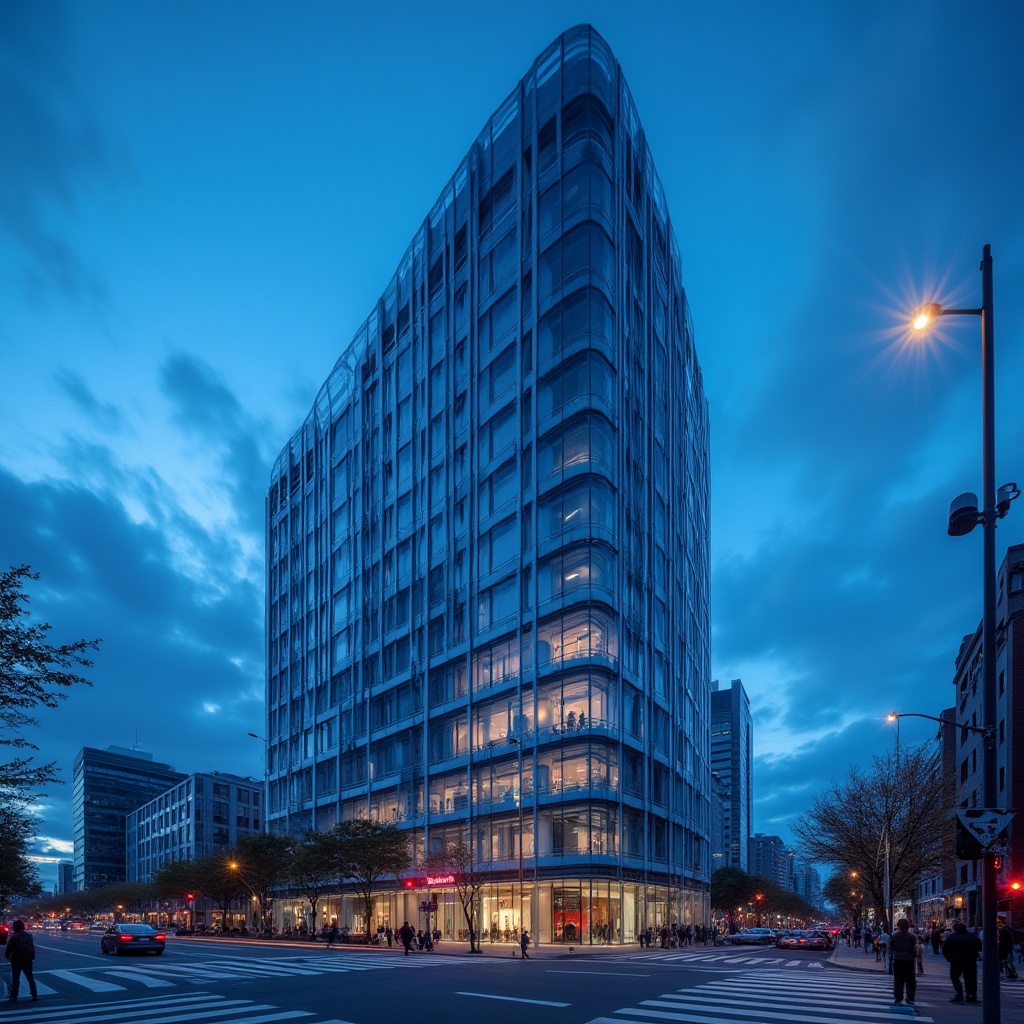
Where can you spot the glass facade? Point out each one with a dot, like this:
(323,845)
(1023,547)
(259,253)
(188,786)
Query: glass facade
(487,546)
(108,785)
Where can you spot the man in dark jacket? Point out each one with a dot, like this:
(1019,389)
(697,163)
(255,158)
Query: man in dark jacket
(962,950)
(21,951)
(903,948)
(406,934)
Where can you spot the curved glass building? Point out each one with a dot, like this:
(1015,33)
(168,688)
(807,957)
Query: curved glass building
(487,545)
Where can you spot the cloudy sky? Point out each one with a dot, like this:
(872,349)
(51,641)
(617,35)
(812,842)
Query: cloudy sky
(200,203)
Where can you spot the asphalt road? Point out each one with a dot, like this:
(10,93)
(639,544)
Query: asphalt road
(215,981)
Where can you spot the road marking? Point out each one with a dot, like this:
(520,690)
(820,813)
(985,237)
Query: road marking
(512,999)
(92,984)
(142,978)
(605,974)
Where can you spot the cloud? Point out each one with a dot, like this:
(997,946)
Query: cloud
(105,415)
(61,148)
(209,413)
(174,641)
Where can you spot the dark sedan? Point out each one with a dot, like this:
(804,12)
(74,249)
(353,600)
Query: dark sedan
(132,938)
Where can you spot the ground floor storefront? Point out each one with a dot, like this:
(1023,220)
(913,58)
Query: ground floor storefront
(580,911)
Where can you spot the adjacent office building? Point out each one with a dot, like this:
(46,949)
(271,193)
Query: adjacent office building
(487,545)
(769,857)
(204,813)
(732,761)
(966,760)
(108,785)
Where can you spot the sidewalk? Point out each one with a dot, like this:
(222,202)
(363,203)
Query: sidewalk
(934,989)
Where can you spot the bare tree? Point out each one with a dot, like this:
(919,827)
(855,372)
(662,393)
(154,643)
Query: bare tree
(896,819)
(456,858)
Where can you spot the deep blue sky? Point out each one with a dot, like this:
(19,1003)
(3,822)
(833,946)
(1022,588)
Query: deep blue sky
(201,202)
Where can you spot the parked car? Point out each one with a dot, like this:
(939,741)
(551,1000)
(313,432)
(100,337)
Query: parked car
(132,938)
(753,937)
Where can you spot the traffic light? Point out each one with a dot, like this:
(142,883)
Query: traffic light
(998,862)
(409,883)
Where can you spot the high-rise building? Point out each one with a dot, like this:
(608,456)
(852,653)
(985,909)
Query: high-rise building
(108,785)
(65,877)
(487,545)
(807,883)
(205,813)
(966,756)
(769,857)
(732,761)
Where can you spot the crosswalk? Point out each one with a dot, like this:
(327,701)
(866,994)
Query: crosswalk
(763,997)
(200,1008)
(168,973)
(726,958)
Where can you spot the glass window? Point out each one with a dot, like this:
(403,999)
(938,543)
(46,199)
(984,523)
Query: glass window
(582,634)
(498,604)
(588,374)
(498,377)
(498,433)
(500,321)
(499,488)
(582,250)
(584,318)
(584,440)
(498,546)
(574,569)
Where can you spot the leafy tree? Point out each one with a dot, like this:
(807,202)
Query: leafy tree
(846,894)
(312,867)
(18,878)
(33,673)
(176,881)
(217,882)
(456,858)
(731,888)
(261,862)
(369,852)
(904,805)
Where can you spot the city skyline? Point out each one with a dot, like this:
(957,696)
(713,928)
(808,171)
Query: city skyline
(190,198)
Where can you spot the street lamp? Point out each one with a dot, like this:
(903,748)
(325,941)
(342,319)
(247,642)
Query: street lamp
(266,780)
(964,515)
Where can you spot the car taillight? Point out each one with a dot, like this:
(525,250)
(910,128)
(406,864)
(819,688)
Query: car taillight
(127,938)
(160,937)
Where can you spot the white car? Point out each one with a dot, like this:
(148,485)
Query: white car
(753,937)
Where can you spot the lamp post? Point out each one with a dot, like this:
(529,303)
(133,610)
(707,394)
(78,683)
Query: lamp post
(514,740)
(964,515)
(266,779)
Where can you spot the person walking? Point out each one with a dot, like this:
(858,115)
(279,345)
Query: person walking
(883,947)
(962,949)
(21,951)
(406,934)
(332,934)
(904,949)
(524,944)
(936,938)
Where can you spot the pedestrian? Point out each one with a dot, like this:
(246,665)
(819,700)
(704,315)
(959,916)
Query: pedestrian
(904,948)
(883,947)
(936,938)
(332,934)
(524,943)
(962,950)
(21,951)
(388,934)
(406,934)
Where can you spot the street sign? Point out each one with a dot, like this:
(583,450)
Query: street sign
(984,824)
(428,907)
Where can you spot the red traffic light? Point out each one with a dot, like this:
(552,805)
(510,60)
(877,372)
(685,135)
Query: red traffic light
(409,883)
(1016,886)
(189,896)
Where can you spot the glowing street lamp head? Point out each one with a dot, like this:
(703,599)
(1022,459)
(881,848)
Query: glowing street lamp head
(925,315)
(892,717)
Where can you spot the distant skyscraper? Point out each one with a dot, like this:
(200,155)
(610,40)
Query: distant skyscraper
(108,784)
(731,759)
(768,857)
(487,546)
(807,883)
(205,813)
(65,877)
